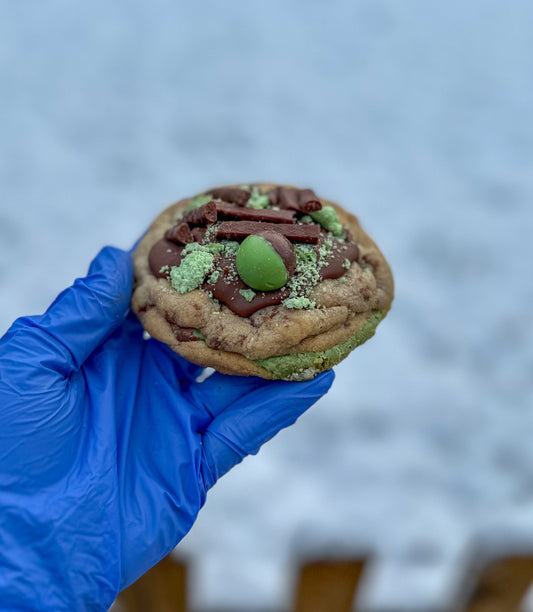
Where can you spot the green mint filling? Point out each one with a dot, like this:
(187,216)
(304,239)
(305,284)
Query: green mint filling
(247,294)
(287,365)
(258,200)
(328,219)
(192,270)
(198,334)
(198,201)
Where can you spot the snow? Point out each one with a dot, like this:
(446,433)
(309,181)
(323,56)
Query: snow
(415,116)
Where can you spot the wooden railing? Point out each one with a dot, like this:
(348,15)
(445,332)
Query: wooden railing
(497,585)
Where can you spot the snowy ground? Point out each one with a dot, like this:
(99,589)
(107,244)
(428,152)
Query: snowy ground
(418,116)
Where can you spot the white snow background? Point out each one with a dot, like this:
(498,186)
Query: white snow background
(416,116)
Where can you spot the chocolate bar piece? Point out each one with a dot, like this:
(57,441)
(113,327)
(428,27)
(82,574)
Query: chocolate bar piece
(230,211)
(180,234)
(198,234)
(231,194)
(288,198)
(300,200)
(238,230)
(203,215)
(307,201)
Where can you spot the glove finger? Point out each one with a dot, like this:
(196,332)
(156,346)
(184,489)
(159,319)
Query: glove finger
(254,419)
(219,391)
(82,316)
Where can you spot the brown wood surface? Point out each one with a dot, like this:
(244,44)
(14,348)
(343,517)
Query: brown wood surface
(327,586)
(502,585)
(162,589)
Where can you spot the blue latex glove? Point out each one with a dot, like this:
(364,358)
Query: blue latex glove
(108,445)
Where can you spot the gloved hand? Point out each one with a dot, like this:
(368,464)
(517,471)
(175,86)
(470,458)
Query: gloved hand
(108,445)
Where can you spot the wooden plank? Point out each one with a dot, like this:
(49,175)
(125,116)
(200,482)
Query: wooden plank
(502,585)
(162,589)
(327,586)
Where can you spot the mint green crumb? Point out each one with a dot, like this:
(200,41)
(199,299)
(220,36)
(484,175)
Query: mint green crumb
(258,200)
(214,276)
(347,264)
(247,294)
(192,270)
(307,219)
(164,269)
(328,219)
(198,334)
(299,303)
(230,247)
(198,201)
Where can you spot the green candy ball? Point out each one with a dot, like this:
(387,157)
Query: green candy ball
(259,265)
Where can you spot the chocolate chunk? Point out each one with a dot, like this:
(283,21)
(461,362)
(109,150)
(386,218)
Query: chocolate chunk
(164,253)
(230,211)
(307,201)
(288,198)
(273,196)
(180,233)
(231,194)
(184,334)
(203,215)
(198,234)
(238,230)
(283,248)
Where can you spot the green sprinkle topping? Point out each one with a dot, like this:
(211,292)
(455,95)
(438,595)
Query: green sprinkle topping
(299,302)
(247,294)
(164,269)
(257,200)
(214,277)
(230,247)
(198,201)
(328,219)
(192,270)
(214,247)
(307,219)
(347,263)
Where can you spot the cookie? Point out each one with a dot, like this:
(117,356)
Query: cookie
(263,280)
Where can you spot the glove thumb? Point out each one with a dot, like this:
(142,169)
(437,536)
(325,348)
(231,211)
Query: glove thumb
(82,316)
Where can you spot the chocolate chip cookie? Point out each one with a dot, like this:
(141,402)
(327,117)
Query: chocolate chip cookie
(262,279)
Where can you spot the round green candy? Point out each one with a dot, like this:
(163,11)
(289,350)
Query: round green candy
(259,265)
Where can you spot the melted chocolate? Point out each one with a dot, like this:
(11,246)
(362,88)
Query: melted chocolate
(164,253)
(183,334)
(335,267)
(228,285)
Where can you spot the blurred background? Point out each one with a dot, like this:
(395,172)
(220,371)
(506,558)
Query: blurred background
(417,117)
